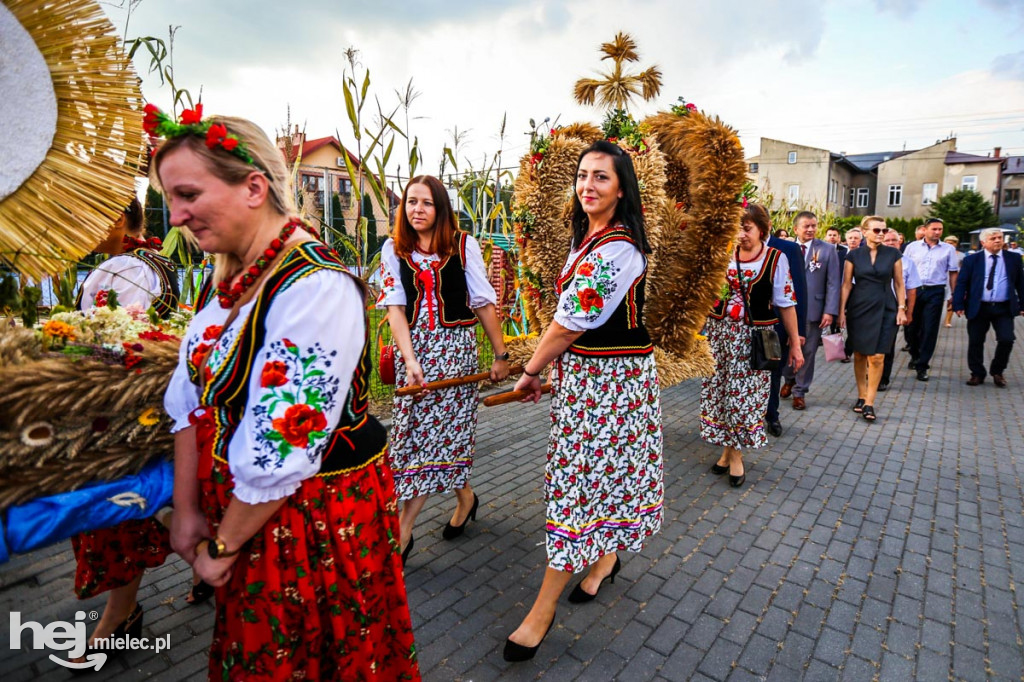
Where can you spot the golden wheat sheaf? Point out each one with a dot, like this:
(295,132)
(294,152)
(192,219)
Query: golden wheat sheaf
(691,229)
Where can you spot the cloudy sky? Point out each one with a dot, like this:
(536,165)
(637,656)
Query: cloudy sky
(847,75)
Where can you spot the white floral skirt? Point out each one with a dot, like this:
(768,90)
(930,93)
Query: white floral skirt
(433,435)
(604,479)
(734,398)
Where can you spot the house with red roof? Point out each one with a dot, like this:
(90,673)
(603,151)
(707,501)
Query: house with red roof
(323,181)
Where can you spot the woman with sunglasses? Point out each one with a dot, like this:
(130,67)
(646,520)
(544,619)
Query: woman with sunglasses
(872,304)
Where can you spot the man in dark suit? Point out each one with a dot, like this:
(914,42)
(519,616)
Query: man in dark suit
(795,258)
(833,238)
(990,289)
(823,279)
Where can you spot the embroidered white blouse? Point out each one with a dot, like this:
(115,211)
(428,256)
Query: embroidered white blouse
(393,293)
(602,280)
(315,332)
(135,282)
(783,295)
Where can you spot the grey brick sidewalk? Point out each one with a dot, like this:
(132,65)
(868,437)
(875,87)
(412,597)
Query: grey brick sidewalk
(856,551)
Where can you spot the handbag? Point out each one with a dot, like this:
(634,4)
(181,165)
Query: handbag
(765,348)
(386,355)
(834,346)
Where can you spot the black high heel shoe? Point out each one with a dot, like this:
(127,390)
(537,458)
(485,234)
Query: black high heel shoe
(130,627)
(737,481)
(451,532)
(408,549)
(517,653)
(578,596)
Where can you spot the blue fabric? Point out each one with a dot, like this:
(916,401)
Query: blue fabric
(5,556)
(47,520)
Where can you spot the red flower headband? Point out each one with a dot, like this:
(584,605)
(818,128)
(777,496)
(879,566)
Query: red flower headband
(158,124)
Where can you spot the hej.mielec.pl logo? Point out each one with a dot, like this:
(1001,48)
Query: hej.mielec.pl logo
(71,637)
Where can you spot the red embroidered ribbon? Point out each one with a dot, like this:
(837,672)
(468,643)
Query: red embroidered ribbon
(202,419)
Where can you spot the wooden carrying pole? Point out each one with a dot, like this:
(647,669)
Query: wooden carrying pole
(511,396)
(449,383)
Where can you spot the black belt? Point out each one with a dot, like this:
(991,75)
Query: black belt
(934,286)
(994,302)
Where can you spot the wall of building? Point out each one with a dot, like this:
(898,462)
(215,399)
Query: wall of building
(1012,214)
(987,174)
(810,173)
(326,158)
(910,172)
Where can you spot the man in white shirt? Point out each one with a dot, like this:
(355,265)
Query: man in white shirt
(935,261)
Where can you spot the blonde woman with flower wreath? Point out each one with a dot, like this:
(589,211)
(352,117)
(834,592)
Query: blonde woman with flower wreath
(283,500)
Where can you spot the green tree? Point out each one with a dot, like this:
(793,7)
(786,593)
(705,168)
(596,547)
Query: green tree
(963,211)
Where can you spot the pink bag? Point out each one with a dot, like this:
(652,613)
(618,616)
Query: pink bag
(833,344)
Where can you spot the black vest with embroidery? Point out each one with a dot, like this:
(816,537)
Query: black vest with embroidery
(622,334)
(358,438)
(165,302)
(758,309)
(450,288)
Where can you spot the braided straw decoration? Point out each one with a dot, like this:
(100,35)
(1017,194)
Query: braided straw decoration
(700,160)
(66,423)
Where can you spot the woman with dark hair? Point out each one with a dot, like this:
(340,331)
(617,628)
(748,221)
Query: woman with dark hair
(604,479)
(136,271)
(757,292)
(874,303)
(114,559)
(283,500)
(435,289)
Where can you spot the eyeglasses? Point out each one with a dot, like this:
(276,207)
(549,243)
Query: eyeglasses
(879,230)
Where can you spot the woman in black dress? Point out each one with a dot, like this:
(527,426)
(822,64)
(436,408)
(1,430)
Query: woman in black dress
(870,276)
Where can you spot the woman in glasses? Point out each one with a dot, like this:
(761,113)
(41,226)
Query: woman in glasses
(870,310)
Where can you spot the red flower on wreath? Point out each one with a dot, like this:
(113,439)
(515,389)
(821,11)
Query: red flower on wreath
(586,269)
(192,116)
(275,373)
(216,135)
(298,422)
(101,298)
(152,118)
(590,299)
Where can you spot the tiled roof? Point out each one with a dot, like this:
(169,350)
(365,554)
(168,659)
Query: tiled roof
(871,160)
(1014,165)
(960,157)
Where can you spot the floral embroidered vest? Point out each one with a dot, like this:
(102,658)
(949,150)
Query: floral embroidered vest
(758,293)
(166,302)
(358,438)
(448,280)
(622,334)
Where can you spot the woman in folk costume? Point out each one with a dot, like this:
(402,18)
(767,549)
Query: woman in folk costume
(115,558)
(758,293)
(435,289)
(603,481)
(282,497)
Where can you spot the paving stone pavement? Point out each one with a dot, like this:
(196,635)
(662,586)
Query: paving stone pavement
(856,551)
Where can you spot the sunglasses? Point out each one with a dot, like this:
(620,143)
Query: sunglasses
(879,230)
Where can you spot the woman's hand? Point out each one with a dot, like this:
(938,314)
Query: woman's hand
(842,320)
(530,384)
(796,357)
(214,571)
(901,318)
(499,370)
(188,527)
(413,373)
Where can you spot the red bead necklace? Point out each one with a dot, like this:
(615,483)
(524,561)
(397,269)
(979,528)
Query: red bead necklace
(228,296)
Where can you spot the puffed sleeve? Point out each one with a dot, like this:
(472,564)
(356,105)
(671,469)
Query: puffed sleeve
(300,379)
(480,290)
(783,295)
(602,280)
(391,290)
(181,396)
(135,282)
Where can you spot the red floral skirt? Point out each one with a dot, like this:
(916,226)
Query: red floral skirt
(113,557)
(318,593)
